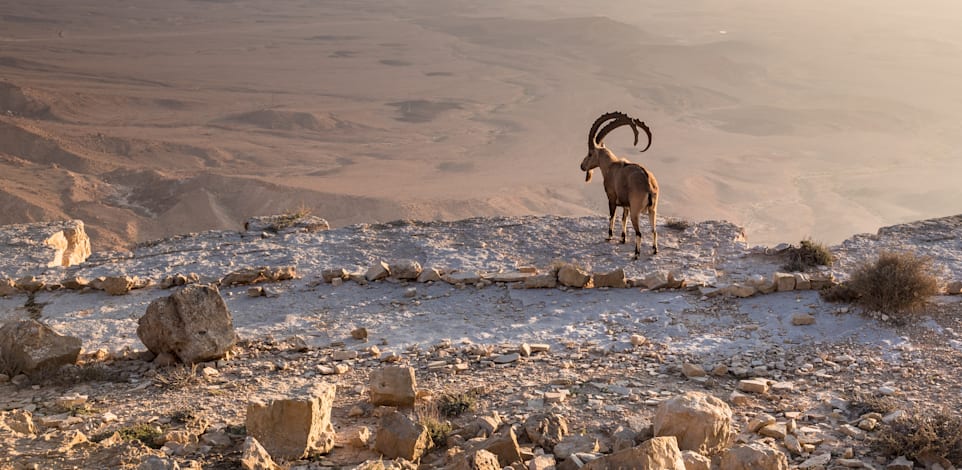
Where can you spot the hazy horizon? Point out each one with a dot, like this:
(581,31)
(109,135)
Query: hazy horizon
(792,120)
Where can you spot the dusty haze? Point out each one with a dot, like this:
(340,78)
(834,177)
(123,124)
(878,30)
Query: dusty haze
(794,120)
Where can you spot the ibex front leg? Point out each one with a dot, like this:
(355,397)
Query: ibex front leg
(624,225)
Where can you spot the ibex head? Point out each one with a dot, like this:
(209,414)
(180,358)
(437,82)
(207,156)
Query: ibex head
(596,138)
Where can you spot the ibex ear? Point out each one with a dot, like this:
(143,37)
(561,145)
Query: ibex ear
(588,176)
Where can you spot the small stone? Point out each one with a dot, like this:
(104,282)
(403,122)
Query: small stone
(753,386)
(507,358)
(410,292)
(802,319)
(359,334)
(816,462)
(692,370)
(759,421)
(784,281)
(377,271)
(638,340)
(776,431)
(255,292)
(868,424)
(900,463)
(738,398)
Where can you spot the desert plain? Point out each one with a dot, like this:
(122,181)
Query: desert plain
(147,119)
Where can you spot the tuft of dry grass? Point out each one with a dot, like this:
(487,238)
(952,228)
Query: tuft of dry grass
(429,416)
(896,283)
(807,255)
(179,376)
(678,224)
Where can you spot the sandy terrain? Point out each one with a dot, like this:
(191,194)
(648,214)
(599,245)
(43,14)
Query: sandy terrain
(147,119)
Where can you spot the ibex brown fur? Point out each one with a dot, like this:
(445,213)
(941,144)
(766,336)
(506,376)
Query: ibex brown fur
(628,185)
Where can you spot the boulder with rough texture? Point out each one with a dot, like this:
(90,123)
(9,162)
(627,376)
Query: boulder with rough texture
(546,429)
(393,386)
(504,445)
(405,269)
(541,281)
(28,345)
(615,279)
(477,460)
(261,274)
(8,287)
(295,426)
(701,422)
(193,324)
(331,274)
(296,221)
(377,271)
(695,461)
(659,453)
(753,456)
(18,422)
(429,275)
(572,276)
(255,457)
(68,243)
(399,436)
(784,281)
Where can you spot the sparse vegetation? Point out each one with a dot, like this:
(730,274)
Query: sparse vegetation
(895,284)
(454,404)
(145,433)
(807,255)
(429,416)
(179,376)
(289,218)
(922,433)
(678,224)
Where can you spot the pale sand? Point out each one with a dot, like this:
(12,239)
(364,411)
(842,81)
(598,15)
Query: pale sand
(147,119)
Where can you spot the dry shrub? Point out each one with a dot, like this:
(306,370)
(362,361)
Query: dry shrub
(429,416)
(455,403)
(678,224)
(896,283)
(807,255)
(920,434)
(179,376)
(839,293)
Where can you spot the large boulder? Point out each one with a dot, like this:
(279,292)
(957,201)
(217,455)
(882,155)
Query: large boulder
(68,243)
(295,426)
(477,460)
(615,279)
(659,453)
(701,422)
(28,345)
(399,436)
(192,324)
(393,386)
(405,269)
(753,456)
(546,429)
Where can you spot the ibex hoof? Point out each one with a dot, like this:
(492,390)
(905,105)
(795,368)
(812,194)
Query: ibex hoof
(623,241)
(654,250)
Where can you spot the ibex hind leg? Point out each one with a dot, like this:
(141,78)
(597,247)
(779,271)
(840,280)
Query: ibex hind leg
(634,225)
(624,225)
(611,221)
(654,234)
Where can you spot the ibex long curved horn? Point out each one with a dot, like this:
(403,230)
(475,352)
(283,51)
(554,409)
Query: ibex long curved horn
(626,121)
(592,141)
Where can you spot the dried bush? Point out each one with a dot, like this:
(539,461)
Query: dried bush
(896,283)
(807,255)
(438,428)
(453,404)
(921,434)
(839,293)
(678,224)
(179,376)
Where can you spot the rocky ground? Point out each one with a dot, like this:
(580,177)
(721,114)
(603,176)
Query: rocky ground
(818,382)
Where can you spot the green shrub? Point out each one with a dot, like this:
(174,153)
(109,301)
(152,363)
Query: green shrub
(807,255)
(896,283)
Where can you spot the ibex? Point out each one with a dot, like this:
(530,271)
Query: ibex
(628,185)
